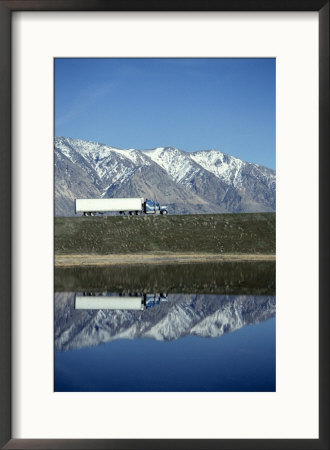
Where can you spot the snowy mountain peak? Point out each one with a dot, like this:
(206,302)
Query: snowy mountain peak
(220,164)
(175,162)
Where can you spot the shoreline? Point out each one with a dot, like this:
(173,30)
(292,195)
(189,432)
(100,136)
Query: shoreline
(133,259)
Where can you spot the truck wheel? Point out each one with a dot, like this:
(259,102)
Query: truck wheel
(163,213)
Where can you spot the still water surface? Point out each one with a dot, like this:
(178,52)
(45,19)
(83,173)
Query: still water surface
(115,341)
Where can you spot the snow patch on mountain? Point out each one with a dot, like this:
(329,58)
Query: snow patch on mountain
(173,325)
(224,167)
(105,160)
(175,162)
(219,323)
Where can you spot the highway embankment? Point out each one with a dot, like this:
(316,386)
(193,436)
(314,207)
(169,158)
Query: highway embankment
(112,240)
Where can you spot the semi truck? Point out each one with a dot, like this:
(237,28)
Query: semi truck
(132,206)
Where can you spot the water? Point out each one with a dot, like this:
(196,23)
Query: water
(249,278)
(161,338)
(240,361)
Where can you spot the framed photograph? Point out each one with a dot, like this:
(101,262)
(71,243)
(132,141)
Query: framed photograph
(165,264)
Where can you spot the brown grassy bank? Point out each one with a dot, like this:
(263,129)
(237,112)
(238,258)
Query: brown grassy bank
(214,234)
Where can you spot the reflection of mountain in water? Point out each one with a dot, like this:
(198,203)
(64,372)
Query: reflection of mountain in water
(202,315)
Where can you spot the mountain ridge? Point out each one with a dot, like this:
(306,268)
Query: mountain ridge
(207,316)
(202,181)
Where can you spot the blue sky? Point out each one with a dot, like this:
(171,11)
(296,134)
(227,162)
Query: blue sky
(192,104)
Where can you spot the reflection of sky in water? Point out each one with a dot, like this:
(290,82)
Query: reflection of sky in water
(183,343)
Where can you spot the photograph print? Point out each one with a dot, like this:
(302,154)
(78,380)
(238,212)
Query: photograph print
(165,213)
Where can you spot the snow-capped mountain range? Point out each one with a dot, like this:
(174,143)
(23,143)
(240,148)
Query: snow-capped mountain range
(201,315)
(206,181)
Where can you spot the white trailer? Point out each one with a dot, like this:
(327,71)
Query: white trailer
(100,302)
(138,205)
(95,205)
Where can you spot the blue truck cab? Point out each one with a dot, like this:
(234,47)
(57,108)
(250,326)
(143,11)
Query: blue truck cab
(151,207)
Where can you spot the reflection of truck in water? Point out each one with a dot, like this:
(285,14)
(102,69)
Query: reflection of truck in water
(132,206)
(154,299)
(139,302)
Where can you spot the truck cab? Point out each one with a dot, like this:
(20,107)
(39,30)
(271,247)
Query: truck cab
(152,207)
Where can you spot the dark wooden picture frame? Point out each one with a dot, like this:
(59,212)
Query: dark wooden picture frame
(6,180)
